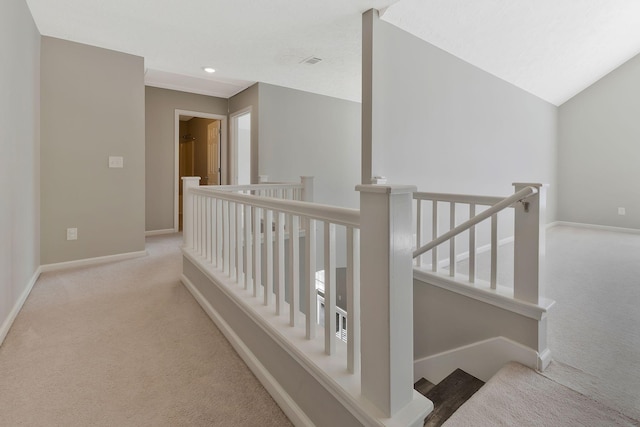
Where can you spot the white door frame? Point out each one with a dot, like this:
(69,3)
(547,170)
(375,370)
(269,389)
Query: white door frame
(176,155)
(233,143)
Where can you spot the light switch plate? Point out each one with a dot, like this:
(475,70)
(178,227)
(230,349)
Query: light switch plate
(72,234)
(116,162)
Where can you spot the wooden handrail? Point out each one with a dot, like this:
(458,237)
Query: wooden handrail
(494,209)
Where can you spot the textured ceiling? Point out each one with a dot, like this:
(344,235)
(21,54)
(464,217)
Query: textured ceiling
(244,40)
(552,49)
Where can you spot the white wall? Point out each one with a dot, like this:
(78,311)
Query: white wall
(19,156)
(599,151)
(307,134)
(92,108)
(446,126)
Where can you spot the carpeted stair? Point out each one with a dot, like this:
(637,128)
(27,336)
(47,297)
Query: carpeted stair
(520,396)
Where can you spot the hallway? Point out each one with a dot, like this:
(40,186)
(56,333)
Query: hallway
(125,344)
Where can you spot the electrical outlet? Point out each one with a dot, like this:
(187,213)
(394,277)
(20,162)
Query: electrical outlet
(72,234)
(622,211)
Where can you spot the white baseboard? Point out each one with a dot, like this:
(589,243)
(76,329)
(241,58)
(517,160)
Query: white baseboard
(159,232)
(6,325)
(482,359)
(544,359)
(282,398)
(597,227)
(91,261)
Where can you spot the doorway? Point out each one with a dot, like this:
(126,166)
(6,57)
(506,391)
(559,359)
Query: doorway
(200,150)
(241,147)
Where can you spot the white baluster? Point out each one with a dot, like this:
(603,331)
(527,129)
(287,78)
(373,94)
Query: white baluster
(240,244)
(219,233)
(329,288)
(310,268)
(494,250)
(452,241)
(248,247)
(279,263)
(207,232)
(268,256)
(225,253)
(418,229)
(198,225)
(353,299)
(434,235)
(472,245)
(232,240)
(294,269)
(257,251)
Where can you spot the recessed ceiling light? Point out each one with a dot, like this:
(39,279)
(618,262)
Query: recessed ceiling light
(209,69)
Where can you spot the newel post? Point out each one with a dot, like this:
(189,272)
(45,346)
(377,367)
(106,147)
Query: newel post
(307,190)
(529,244)
(386,300)
(187,209)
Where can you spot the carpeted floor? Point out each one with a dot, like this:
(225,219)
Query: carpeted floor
(594,327)
(125,344)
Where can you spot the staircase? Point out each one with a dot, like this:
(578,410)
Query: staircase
(448,395)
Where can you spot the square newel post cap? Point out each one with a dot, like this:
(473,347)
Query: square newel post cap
(386,189)
(520,185)
(190,178)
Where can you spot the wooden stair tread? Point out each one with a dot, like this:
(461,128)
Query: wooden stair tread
(449,395)
(423,386)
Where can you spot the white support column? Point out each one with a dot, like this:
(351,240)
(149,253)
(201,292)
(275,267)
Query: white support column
(187,209)
(529,244)
(307,191)
(386,271)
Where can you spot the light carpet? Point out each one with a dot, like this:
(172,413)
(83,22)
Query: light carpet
(519,396)
(125,344)
(594,327)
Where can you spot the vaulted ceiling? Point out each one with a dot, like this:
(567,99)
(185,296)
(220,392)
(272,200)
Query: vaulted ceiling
(553,49)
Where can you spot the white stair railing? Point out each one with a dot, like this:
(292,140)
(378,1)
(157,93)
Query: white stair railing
(256,243)
(528,236)
(228,227)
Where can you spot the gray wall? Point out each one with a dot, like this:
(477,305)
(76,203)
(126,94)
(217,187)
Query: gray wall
(249,97)
(92,107)
(444,320)
(599,135)
(20,154)
(444,125)
(318,404)
(160,148)
(307,134)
